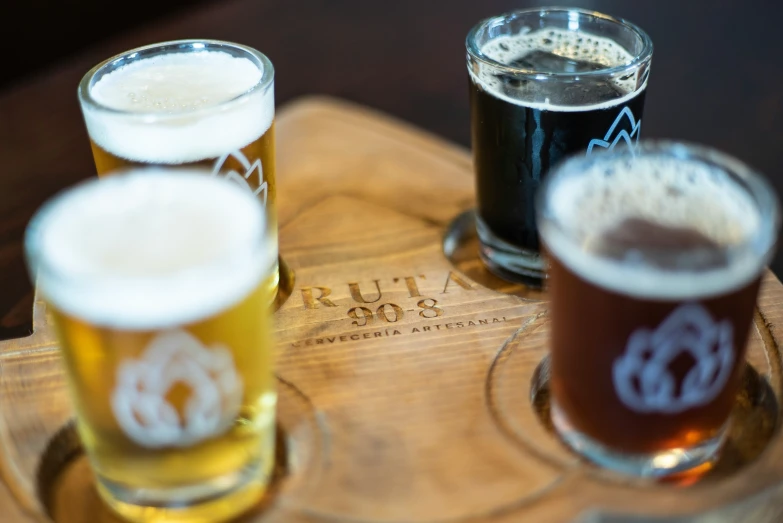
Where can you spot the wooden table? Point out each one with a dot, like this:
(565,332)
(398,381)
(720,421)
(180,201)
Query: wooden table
(716,79)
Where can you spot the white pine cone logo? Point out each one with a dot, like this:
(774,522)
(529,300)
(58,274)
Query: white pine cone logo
(174,357)
(243,179)
(643,376)
(628,133)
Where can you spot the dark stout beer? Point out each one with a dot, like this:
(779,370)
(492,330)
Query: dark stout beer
(523,124)
(654,269)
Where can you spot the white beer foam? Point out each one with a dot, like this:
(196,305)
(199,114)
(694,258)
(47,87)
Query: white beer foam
(569,44)
(161,107)
(672,192)
(150,248)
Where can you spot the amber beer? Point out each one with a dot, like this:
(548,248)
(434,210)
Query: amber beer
(155,283)
(655,257)
(187,103)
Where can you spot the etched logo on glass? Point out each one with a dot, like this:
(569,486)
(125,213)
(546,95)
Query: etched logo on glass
(242,178)
(208,406)
(629,134)
(644,378)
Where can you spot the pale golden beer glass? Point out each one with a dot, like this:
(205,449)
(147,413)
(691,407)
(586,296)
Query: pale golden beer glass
(155,281)
(187,103)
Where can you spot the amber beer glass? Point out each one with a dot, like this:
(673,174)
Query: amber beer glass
(655,255)
(155,281)
(187,103)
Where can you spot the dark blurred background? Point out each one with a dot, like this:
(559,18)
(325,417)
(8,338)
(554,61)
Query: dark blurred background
(716,76)
(718,63)
(35,34)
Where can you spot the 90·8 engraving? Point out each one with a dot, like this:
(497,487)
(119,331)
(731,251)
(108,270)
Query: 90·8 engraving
(391,313)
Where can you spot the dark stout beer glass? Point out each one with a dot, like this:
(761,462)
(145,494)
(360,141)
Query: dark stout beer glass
(544,82)
(655,255)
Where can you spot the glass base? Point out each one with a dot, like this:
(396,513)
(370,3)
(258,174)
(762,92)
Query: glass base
(659,464)
(508,261)
(222,499)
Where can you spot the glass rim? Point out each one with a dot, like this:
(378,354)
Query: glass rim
(638,60)
(761,241)
(40,263)
(177,46)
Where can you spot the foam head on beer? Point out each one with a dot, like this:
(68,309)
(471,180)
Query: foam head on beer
(149,249)
(175,90)
(654,225)
(558,51)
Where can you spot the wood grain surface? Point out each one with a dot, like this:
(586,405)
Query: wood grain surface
(715,79)
(411,386)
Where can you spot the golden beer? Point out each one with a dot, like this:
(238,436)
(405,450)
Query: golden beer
(186,104)
(155,284)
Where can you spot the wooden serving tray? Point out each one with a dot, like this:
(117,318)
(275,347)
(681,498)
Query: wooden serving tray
(413,384)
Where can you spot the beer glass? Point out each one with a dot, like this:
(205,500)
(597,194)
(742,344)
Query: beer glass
(155,281)
(655,255)
(544,83)
(187,103)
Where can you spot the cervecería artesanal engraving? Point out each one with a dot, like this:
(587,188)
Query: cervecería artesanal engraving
(379,318)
